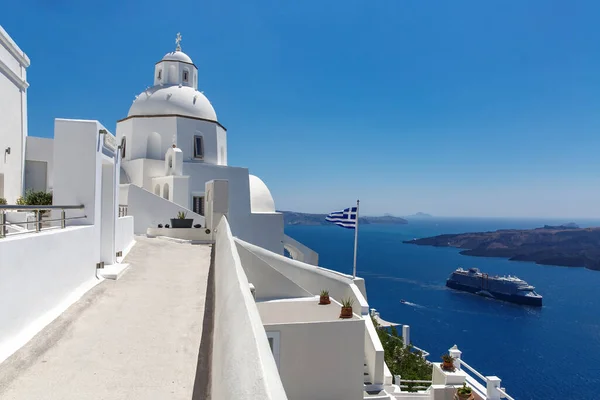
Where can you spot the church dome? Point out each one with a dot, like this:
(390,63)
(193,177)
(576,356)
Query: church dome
(177,55)
(261,200)
(180,100)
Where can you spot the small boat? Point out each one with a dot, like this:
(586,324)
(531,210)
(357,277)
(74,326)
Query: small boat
(402,301)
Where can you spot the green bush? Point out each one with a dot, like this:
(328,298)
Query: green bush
(32,198)
(2,200)
(403,360)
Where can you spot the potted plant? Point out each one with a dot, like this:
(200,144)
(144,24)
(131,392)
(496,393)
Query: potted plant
(464,393)
(347,308)
(181,221)
(448,362)
(324,297)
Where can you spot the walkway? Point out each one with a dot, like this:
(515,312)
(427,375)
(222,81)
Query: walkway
(134,338)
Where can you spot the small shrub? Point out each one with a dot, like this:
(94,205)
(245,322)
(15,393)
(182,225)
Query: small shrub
(160,225)
(324,292)
(167,226)
(347,302)
(464,390)
(3,200)
(181,215)
(32,198)
(197,226)
(447,358)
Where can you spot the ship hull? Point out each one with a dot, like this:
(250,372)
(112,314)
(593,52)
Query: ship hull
(528,301)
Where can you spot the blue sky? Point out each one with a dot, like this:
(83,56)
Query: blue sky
(467,108)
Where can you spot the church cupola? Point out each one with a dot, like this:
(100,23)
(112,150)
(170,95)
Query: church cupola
(176,68)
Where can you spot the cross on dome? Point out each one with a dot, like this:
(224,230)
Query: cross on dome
(178,42)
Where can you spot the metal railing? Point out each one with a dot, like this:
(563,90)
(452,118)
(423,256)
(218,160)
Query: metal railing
(492,386)
(123,211)
(412,384)
(39,212)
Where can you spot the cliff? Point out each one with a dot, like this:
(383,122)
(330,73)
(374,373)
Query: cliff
(296,218)
(565,245)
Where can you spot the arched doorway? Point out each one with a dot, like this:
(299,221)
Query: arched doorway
(166,191)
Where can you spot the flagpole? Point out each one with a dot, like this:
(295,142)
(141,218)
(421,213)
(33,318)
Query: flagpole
(355,240)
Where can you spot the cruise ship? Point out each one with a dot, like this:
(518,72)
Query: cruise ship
(507,288)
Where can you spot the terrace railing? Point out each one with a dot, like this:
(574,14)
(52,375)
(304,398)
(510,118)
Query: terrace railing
(39,220)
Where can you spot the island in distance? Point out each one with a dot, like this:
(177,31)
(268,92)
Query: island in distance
(297,218)
(565,245)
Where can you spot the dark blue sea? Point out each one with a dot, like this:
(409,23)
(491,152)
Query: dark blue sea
(548,353)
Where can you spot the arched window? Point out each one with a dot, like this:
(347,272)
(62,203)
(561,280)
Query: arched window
(157,190)
(159,76)
(166,191)
(186,74)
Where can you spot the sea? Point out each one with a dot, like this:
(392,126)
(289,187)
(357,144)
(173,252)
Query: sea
(552,352)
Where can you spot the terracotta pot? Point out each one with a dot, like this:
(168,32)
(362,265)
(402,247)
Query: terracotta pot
(324,300)
(346,312)
(448,366)
(464,396)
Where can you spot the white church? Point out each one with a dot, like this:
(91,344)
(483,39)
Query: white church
(99,299)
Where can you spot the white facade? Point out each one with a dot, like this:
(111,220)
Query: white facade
(13,117)
(174,145)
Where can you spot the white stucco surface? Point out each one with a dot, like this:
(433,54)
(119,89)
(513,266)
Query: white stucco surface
(137,338)
(39,150)
(312,278)
(243,366)
(124,235)
(268,282)
(173,99)
(39,272)
(300,252)
(319,361)
(261,200)
(13,116)
(150,210)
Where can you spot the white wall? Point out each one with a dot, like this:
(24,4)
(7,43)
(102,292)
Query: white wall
(78,168)
(300,252)
(149,210)
(124,233)
(312,278)
(39,272)
(41,149)
(268,282)
(242,367)
(13,116)
(321,361)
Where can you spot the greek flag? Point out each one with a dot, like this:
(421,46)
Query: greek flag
(345,218)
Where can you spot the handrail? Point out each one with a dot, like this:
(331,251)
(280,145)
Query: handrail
(473,370)
(502,392)
(415,381)
(49,207)
(39,212)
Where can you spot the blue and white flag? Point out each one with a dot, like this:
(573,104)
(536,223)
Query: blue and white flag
(345,218)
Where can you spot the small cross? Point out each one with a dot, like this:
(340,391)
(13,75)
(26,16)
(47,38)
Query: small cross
(178,42)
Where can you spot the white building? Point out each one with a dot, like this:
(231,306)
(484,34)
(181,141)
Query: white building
(174,145)
(13,117)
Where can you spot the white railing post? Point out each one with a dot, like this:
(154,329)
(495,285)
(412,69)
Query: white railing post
(406,334)
(493,384)
(2,223)
(397,380)
(455,353)
(373,312)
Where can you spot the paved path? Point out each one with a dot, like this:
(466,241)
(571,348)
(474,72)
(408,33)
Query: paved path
(135,338)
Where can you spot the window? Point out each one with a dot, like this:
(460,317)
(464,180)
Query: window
(273,338)
(198,147)
(159,76)
(198,205)
(185,75)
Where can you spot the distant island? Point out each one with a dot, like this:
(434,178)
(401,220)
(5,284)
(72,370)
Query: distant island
(564,245)
(420,215)
(297,218)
